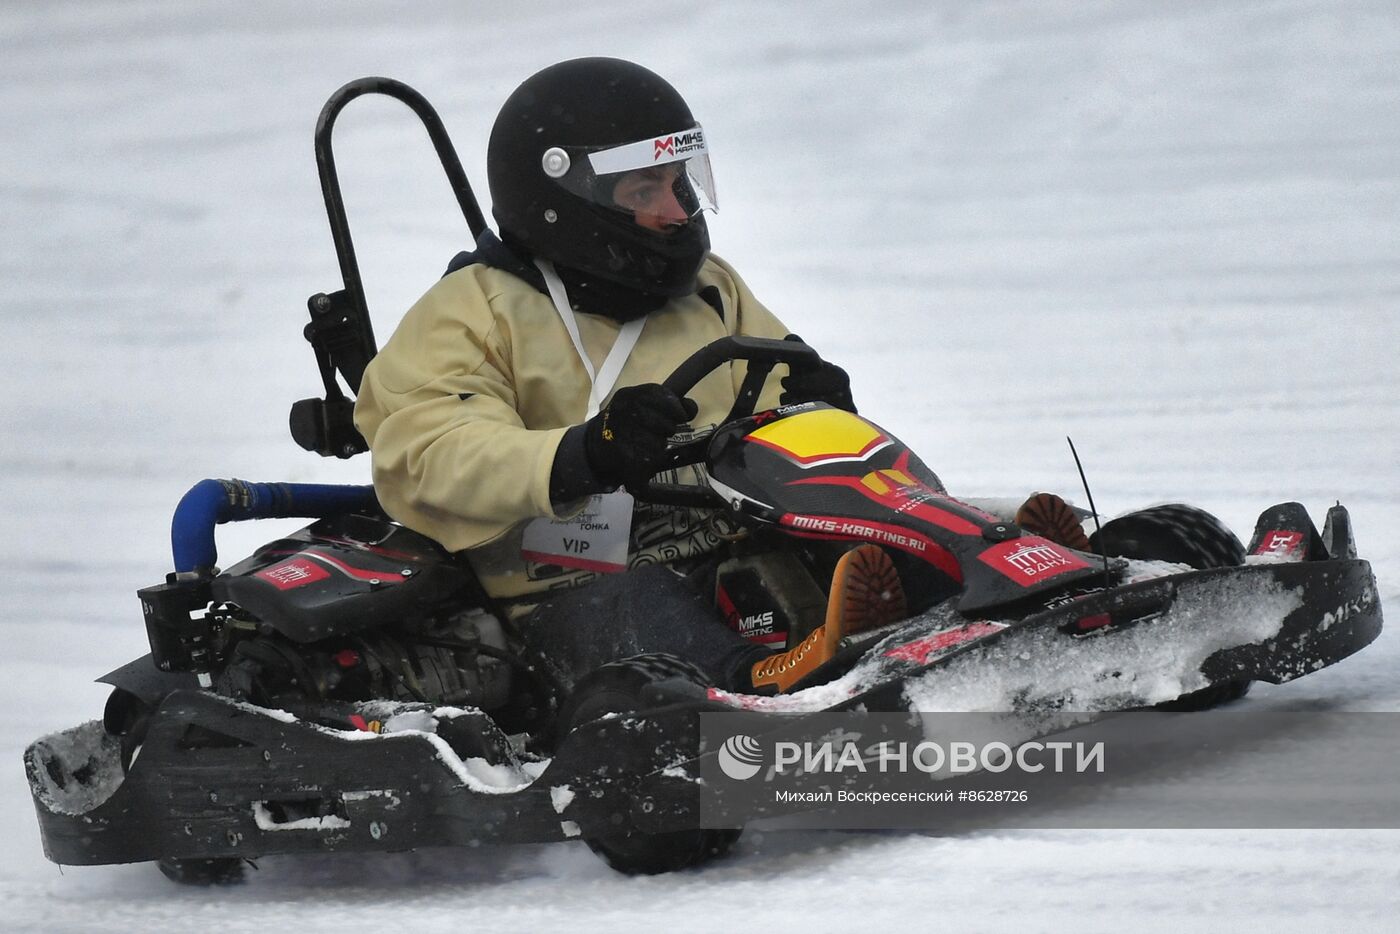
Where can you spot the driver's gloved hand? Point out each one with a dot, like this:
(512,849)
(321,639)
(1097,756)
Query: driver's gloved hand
(825,383)
(624,443)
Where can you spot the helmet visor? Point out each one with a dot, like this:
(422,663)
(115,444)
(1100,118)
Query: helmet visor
(665,177)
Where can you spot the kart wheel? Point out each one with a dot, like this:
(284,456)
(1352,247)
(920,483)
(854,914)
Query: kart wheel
(653,854)
(1174,532)
(225,870)
(618,688)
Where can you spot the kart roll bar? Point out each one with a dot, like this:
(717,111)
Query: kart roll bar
(340,331)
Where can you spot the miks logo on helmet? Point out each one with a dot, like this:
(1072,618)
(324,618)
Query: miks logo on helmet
(678,144)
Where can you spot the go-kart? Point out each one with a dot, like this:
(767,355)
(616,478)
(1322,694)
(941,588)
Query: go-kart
(351,686)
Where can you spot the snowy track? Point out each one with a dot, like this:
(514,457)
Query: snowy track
(1168,230)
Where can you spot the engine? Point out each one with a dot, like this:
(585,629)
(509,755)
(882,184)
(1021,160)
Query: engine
(459,660)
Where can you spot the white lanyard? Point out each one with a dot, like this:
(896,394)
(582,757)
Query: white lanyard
(606,376)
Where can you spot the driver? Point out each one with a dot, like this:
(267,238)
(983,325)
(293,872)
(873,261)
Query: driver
(522,392)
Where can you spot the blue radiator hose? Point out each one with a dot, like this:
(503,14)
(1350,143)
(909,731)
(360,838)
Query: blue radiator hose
(211,502)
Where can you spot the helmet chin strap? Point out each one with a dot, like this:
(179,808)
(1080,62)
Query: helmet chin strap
(605,377)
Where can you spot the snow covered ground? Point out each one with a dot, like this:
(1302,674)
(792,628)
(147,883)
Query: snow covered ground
(1168,230)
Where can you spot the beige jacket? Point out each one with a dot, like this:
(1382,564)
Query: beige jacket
(466,404)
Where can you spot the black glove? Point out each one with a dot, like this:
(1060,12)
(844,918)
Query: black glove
(826,382)
(624,442)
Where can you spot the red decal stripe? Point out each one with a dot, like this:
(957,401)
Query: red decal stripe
(1090,623)
(919,651)
(578,564)
(897,499)
(366,546)
(359,574)
(832,528)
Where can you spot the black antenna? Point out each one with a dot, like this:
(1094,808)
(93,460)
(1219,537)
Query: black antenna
(1098,529)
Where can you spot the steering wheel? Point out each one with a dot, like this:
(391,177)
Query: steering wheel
(762,355)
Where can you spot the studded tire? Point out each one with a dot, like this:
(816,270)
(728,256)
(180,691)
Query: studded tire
(619,687)
(218,871)
(1173,532)
(1186,535)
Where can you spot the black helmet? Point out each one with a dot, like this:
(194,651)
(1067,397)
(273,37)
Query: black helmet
(561,144)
